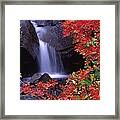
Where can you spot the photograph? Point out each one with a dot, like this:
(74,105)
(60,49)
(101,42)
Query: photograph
(60,59)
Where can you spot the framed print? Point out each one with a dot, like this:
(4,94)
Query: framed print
(60,60)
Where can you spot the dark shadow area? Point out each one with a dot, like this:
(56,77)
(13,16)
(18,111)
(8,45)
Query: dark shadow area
(73,61)
(28,66)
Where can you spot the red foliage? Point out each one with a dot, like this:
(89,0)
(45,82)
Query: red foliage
(39,90)
(86,35)
(83,84)
(67,91)
(26,88)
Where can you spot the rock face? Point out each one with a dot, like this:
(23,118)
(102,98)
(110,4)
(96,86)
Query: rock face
(29,48)
(45,77)
(28,38)
(38,77)
(51,31)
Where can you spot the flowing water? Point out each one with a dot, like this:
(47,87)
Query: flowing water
(49,61)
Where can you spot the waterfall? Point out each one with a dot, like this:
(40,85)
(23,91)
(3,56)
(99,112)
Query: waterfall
(49,60)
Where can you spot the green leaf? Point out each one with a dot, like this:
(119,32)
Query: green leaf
(95,43)
(88,44)
(87,82)
(97,74)
(94,62)
(78,97)
(92,77)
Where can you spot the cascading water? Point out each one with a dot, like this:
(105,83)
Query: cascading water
(44,58)
(49,60)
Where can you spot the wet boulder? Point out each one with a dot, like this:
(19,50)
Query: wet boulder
(45,77)
(35,77)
